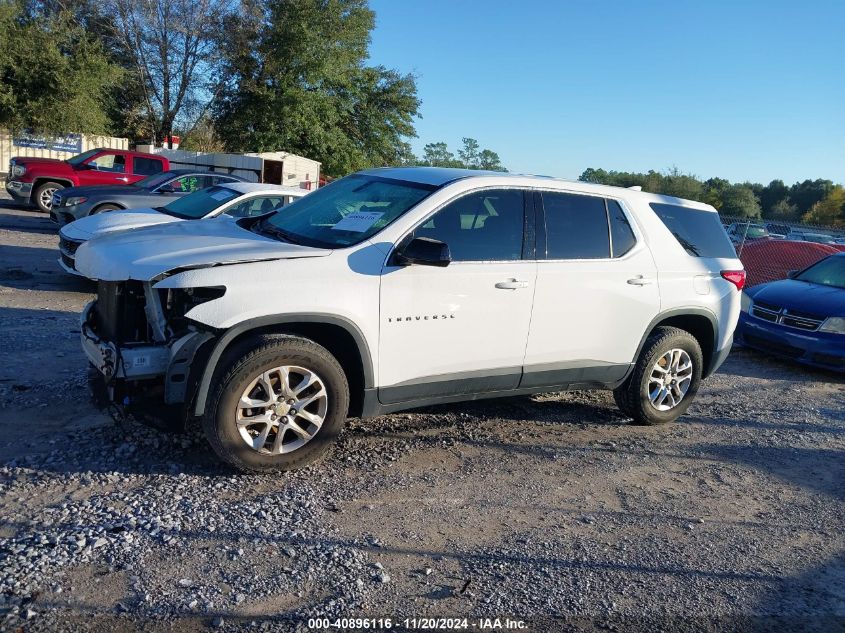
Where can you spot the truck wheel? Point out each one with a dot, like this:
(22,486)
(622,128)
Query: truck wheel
(44,195)
(277,404)
(665,379)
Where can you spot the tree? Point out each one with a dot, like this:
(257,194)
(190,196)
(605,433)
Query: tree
(295,78)
(438,155)
(55,78)
(740,201)
(713,190)
(806,194)
(489,160)
(171,48)
(469,153)
(772,194)
(783,210)
(201,138)
(830,211)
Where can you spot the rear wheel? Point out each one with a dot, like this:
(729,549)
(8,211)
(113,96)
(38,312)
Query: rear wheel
(277,404)
(43,197)
(665,379)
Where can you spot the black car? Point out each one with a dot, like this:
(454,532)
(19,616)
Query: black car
(155,191)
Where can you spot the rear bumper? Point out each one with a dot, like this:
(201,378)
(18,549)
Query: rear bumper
(718,358)
(819,349)
(19,190)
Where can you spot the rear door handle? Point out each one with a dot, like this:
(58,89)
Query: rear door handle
(639,280)
(511,284)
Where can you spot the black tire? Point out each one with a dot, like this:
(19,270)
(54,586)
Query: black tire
(632,397)
(41,190)
(106,207)
(241,367)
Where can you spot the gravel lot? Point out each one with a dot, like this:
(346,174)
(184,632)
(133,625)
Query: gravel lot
(549,509)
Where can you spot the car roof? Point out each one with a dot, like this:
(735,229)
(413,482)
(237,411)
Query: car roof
(253,187)
(440,176)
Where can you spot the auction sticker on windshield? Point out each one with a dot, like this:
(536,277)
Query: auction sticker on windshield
(358,222)
(225,194)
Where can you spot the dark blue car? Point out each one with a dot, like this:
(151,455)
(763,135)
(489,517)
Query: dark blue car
(802,318)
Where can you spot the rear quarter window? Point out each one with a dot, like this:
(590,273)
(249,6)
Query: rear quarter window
(699,232)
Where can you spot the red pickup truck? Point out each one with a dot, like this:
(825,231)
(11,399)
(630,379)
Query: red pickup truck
(37,179)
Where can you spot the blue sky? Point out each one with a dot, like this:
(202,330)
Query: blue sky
(749,90)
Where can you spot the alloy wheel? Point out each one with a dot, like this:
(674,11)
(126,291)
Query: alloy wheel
(670,379)
(282,409)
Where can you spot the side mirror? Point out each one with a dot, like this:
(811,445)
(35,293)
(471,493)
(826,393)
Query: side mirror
(792,274)
(424,251)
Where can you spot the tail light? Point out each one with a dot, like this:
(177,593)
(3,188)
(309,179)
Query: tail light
(736,277)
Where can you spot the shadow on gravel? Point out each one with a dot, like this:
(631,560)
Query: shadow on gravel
(817,469)
(34,222)
(763,366)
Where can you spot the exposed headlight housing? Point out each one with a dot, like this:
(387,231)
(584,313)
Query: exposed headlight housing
(71,202)
(834,325)
(745,303)
(18,170)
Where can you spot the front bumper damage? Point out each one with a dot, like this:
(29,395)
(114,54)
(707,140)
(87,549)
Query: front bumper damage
(149,377)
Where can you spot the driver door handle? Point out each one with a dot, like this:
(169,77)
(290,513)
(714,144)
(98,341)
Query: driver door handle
(639,280)
(511,284)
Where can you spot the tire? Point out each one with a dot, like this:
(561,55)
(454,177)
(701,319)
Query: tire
(42,192)
(242,374)
(672,400)
(106,207)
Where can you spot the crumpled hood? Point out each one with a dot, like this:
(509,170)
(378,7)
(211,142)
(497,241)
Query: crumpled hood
(143,254)
(824,301)
(100,223)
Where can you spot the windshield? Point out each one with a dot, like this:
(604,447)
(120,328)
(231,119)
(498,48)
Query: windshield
(155,180)
(818,238)
(81,158)
(828,272)
(346,212)
(200,203)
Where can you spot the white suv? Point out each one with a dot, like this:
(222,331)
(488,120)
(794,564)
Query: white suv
(397,288)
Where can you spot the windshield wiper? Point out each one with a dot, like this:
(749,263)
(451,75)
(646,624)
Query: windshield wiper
(266,227)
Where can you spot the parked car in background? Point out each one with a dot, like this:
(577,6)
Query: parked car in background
(154,191)
(392,289)
(742,231)
(801,318)
(779,231)
(35,180)
(817,238)
(235,199)
(771,260)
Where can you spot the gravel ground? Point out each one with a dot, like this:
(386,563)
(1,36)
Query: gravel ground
(550,509)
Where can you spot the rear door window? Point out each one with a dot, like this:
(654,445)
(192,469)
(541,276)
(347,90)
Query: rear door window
(576,226)
(146,166)
(700,232)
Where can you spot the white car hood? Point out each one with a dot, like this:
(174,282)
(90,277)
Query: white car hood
(144,254)
(85,228)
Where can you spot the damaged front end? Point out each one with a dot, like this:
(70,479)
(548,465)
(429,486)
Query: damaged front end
(143,347)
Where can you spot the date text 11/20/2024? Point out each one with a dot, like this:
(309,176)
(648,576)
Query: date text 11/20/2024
(421,624)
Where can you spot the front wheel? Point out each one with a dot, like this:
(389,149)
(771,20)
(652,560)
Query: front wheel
(665,379)
(277,404)
(44,195)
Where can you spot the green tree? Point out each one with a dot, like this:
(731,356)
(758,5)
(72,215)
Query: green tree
(489,160)
(469,153)
(829,211)
(296,79)
(713,190)
(783,210)
(740,201)
(438,155)
(806,194)
(55,78)
(772,194)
